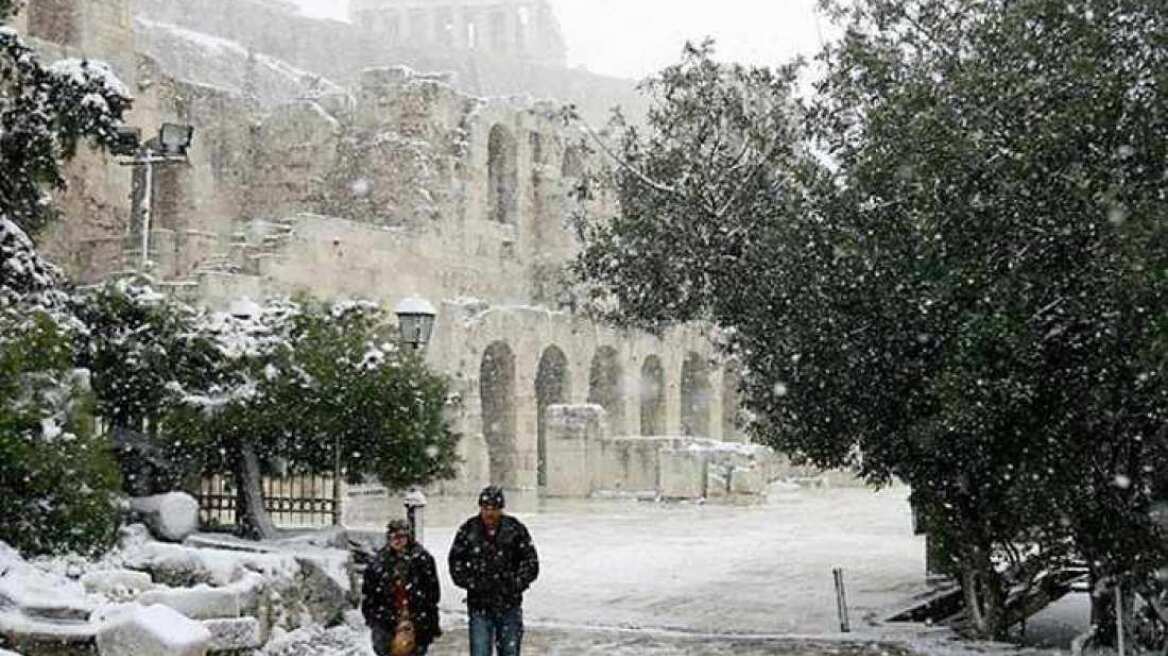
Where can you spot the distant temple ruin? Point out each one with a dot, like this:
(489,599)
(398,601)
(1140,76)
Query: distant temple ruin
(520,29)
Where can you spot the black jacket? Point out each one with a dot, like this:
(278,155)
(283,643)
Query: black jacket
(422,583)
(495,572)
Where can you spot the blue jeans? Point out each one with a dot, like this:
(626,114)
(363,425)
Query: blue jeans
(504,629)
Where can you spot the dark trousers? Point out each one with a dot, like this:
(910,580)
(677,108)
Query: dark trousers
(503,629)
(383,637)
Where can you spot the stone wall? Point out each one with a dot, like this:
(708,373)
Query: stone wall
(340,51)
(402,186)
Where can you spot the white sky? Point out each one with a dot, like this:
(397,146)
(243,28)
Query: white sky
(633,38)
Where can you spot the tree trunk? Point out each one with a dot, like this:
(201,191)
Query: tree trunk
(1103,614)
(983,596)
(251,518)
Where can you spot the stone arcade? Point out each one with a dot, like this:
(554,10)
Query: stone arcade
(401,186)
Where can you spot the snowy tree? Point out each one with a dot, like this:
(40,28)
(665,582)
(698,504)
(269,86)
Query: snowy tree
(321,387)
(46,112)
(58,479)
(953,275)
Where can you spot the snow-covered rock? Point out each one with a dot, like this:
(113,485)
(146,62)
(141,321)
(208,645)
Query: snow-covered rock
(234,634)
(37,594)
(117,584)
(238,598)
(152,631)
(172,516)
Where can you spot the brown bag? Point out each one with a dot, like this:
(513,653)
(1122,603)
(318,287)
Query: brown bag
(404,640)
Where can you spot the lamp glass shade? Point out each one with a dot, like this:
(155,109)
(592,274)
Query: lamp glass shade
(175,138)
(416,320)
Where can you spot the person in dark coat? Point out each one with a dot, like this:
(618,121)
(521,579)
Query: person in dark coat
(494,559)
(401,585)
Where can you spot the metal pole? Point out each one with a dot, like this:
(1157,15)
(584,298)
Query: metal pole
(841,600)
(337,482)
(1119,618)
(147,201)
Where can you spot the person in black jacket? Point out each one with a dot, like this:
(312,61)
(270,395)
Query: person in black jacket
(401,585)
(494,559)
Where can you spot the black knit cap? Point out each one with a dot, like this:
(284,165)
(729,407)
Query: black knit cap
(397,526)
(492,495)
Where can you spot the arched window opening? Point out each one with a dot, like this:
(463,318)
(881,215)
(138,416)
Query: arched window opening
(503,175)
(497,392)
(652,397)
(695,397)
(551,387)
(605,389)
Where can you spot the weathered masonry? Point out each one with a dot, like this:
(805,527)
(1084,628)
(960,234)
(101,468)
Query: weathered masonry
(399,185)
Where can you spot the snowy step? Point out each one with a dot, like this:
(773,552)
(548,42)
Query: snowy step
(35,636)
(153,631)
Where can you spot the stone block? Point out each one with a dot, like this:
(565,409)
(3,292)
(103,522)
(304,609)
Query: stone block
(234,634)
(744,480)
(198,603)
(152,631)
(117,583)
(571,429)
(683,474)
(171,517)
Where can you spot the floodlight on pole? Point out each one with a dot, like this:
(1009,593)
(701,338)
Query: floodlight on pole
(175,139)
(170,146)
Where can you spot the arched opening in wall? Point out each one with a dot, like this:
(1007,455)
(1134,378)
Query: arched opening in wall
(497,391)
(54,20)
(731,403)
(503,175)
(652,397)
(551,387)
(573,166)
(605,389)
(695,396)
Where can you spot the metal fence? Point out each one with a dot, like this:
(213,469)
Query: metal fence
(301,501)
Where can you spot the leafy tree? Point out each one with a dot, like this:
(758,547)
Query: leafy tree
(45,114)
(58,480)
(321,386)
(953,275)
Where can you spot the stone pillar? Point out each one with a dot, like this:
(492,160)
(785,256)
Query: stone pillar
(571,431)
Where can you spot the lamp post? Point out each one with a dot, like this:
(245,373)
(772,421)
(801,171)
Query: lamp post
(170,146)
(415,503)
(415,318)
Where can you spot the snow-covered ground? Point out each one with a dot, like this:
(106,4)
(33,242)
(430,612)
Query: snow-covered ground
(763,568)
(624,577)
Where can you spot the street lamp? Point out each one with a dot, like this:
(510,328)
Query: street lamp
(415,503)
(170,146)
(415,317)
